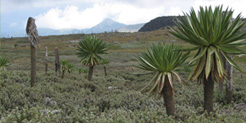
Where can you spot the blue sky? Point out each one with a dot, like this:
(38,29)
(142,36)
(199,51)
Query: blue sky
(80,14)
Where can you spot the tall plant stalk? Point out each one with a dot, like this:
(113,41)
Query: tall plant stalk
(33,65)
(31,30)
(46,60)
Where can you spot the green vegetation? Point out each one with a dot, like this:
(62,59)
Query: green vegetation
(66,66)
(163,60)
(89,49)
(75,99)
(213,36)
(63,67)
(115,98)
(3,63)
(70,68)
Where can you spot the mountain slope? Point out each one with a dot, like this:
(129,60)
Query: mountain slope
(158,23)
(130,28)
(106,25)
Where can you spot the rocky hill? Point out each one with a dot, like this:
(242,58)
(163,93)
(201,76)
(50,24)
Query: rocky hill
(159,23)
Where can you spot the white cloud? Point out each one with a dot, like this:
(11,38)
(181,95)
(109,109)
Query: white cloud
(13,24)
(237,6)
(73,17)
(174,11)
(80,14)
(133,15)
(70,17)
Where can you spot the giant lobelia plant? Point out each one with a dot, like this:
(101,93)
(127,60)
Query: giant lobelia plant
(31,30)
(89,50)
(213,36)
(164,60)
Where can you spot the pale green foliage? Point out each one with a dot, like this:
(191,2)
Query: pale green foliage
(82,70)
(164,60)
(104,61)
(3,62)
(89,50)
(64,64)
(213,35)
(70,67)
(84,101)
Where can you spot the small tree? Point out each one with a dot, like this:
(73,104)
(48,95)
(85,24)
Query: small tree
(89,50)
(70,68)
(64,64)
(163,60)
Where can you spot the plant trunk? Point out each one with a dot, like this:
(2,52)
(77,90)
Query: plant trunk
(229,83)
(46,68)
(63,74)
(208,94)
(221,86)
(90,73)
(105,70)
(57,62)
(33,65)
(46,60)
(168,96)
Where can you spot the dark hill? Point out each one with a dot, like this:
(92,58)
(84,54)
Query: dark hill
(158,23)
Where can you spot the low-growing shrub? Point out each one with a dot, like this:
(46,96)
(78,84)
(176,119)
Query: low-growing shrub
(116,98)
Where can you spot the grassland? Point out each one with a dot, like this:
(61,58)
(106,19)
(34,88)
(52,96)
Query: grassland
(115,98)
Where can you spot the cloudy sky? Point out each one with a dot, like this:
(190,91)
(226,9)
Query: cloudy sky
(80,14)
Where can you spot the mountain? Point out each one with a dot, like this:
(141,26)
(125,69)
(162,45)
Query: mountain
(130,28)
(106,25)
(41,32)
(158,23)
(47,31)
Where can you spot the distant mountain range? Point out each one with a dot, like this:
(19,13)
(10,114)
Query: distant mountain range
(107,25)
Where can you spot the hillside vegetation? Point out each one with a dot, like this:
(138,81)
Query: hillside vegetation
(114,98)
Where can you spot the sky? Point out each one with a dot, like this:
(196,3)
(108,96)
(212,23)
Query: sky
(81,14)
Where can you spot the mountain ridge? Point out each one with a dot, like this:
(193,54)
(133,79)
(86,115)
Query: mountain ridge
(107,25)
(158,23)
